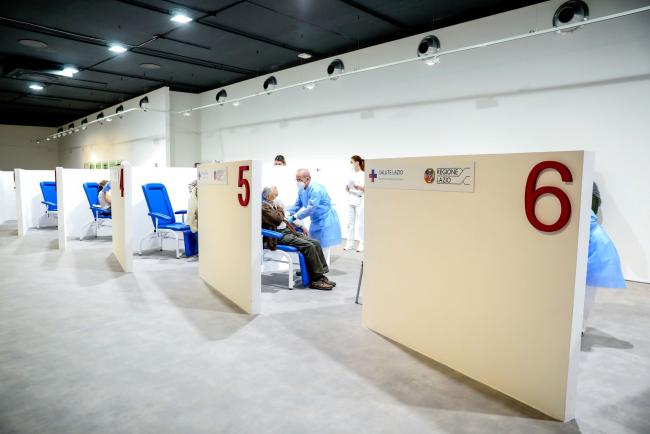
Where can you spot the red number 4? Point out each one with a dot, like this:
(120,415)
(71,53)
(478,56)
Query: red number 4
(242,182)
(533,193)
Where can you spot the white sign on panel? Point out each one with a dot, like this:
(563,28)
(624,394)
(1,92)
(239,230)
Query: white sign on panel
(457,176)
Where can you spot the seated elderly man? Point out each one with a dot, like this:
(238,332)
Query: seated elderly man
(273,219)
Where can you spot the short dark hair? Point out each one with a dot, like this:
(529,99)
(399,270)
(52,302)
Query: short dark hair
(280,158)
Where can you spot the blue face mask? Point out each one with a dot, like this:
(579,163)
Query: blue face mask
(301,186)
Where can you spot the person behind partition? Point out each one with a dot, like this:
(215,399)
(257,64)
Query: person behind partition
(603,265)
(314,202)
(279,161)
(104,194)
(273,219)
(356,190)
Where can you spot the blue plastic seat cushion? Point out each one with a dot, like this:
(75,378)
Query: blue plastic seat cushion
(174,226)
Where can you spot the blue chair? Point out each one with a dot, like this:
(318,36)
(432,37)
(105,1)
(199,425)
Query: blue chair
(48,188)
(284,250)
(164,221)
(101,216)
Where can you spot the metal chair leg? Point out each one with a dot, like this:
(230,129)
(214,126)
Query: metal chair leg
(356,300)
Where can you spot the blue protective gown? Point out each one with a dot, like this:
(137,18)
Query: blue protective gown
(603,264)
(317,205)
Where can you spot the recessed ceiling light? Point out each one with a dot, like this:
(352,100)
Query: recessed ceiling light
(304,56)
(149,66)
(68,71)
(117,48)
(32,43)
(35,86)
(180,18)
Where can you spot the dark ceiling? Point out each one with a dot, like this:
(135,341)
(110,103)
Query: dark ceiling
(228,41)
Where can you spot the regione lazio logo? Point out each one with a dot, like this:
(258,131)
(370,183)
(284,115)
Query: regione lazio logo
(429,176)
(373,175)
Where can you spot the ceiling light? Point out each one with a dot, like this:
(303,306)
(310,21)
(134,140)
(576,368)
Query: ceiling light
(47,138)
(432,61)
(570,12)
(144,103)
(180,18)
(149,66)
(335,68)
(109,119)
(100,118)
(117,48)
(187,114)
(70,128)
(304,56)
(36,86)
(309,86)
(84,124)
(32,43)
(221,96)
(235,103)
(76,130)
(67,71)
(428,46)
(119,111)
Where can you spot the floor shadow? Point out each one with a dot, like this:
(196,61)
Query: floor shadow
(596,338)
(401,372)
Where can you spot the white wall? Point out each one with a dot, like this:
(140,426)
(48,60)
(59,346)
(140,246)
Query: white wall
(30,212)
(140,137)
(587,90)
(185,131)
(74,210)
(7,197)
(18,148)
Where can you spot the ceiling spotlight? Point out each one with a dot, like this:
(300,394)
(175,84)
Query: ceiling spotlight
(109,119)
(100,118)
(47,138)
(270,83)
(573,11)
(60,130)
(67,71)
(119,111)
(221,96)
(36,86)
(32,43)
(70,128)
(76,130)
(335,68)
(187,114)
(144,103)
(235,103)
(309,86)
(117,48)
(84,124)
(304,56)
(428,46)
(180,18)
(38,141)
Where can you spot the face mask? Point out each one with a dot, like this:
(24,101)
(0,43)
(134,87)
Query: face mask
(301,185)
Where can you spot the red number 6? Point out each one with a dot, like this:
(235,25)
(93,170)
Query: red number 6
(533,193)
(242,182)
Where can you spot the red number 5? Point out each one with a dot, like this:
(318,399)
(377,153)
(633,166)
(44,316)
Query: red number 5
(533,193)
(242,182)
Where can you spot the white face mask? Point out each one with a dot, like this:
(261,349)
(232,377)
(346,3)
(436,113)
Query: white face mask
(301,185)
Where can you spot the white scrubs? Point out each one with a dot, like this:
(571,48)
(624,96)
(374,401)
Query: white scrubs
(355,209)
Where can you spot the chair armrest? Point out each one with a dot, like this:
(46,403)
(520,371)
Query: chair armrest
(160,216)
(272,234)
(97,207)
(45,202)
(181,211)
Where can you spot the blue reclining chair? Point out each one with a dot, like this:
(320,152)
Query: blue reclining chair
(164,222)
(284,250)
(101,216)
(48,188)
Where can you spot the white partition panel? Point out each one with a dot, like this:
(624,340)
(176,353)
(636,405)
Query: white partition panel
(131,221)
(230,242)
(461,275)
(30,212)
(7,196)
(74,210)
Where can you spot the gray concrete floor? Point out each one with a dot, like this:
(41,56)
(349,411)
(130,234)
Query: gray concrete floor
(85,348)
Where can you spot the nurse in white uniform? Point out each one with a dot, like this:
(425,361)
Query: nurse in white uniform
(355,188)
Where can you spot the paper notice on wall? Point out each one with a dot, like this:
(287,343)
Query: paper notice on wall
(420,175)
(213,176)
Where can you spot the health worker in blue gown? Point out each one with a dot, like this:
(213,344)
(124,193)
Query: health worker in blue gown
(314,202)
(603,265)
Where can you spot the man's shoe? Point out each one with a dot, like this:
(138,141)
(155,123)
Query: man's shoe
(349,247)
(360,248)
(326,280)
(323,286)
